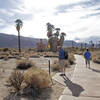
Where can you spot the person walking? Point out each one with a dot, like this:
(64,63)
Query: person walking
(87,56)
(61,60)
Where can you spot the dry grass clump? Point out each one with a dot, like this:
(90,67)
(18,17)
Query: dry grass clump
(71,59)
(32,55)
(24,64)
(5,49)
(67,63)
(4,55)
(8,54)
(55,66)
(96,60)
(31,82)
(37,78)
(16,80)
(96,56)
(1,49)
(50,54)
(79,52)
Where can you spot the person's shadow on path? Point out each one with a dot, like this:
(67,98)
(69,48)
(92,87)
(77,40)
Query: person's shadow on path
(74,88)
(95,70)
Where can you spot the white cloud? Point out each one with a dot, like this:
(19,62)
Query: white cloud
(75,22)
(3,11)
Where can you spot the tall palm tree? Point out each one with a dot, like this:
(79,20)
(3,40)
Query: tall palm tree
(99,44)
(91,43)
(62,35)
(72,43)
(19,25)
(50,29)
(81,46)
(57,31)
(85,45)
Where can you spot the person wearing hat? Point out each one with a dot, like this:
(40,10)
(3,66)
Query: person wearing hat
(87,56)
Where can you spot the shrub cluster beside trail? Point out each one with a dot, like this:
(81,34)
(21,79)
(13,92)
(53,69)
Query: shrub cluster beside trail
(95,52)
(24,64)
(96,56)
(70,61)
(31,81)
(9,53)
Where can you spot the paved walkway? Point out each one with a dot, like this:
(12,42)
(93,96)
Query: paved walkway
(85,83)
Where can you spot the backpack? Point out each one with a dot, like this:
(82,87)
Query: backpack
(65,55)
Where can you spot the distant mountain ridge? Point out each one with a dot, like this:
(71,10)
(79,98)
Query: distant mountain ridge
(11,41)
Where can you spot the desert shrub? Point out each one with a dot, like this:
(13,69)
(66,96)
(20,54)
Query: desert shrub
(50,54)
(31,82)
(71,59)
(67,63)
(10,56)
(24,64)
(2,56)
(79,52)
(55,66)
(37,78)
(16,80)
(96,60)
(6,58)
(5,49)
(1,49)
(96,56)
(30,49)
(15,53)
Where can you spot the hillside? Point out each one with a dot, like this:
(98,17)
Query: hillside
(11,41)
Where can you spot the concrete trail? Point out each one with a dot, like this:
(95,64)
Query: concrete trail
(85,83)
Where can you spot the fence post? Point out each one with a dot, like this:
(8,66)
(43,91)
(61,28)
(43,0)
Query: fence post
(50,71)
(49,66)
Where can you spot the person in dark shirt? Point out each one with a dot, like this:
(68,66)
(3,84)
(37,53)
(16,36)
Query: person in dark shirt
(87,56)
(61,60)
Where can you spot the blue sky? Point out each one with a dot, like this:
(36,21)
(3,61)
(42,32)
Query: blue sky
(79,19)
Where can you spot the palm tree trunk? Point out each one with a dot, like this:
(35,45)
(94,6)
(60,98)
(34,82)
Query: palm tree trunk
(19,46)
(72,44)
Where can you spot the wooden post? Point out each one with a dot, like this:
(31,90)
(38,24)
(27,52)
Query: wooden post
(50,71)
(49,66)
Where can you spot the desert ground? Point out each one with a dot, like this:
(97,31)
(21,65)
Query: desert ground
(8,65)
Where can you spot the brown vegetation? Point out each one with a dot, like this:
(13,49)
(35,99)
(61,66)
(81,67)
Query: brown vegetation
(96,56)
(16,80)
(26,53)
(30,81)
(71,60)
(37,78)
(24,64)
(55,66)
